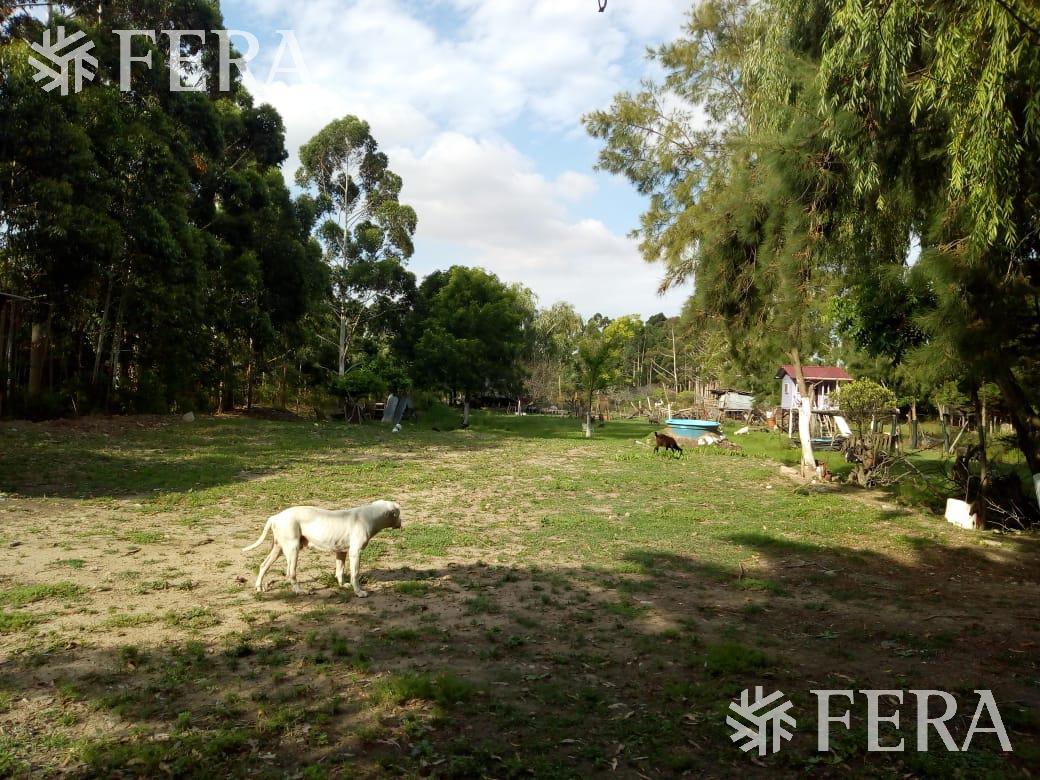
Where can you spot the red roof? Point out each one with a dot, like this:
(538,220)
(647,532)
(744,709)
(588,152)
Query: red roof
(817,373)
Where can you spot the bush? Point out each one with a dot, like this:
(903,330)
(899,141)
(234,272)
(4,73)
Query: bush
(358,383)
(864,400)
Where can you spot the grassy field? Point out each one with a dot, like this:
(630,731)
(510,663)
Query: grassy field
(553,607)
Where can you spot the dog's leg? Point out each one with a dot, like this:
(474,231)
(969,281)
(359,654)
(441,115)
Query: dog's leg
(292,556)
(355,565)
(268,562)
(341,559)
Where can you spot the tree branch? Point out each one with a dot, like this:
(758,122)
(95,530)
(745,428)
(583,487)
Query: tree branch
(1013,13)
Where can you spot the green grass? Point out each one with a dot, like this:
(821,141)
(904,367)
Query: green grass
(734,659)
(22,595)
(445,689)
(145,537)
(412,587)
(192,619)
(13,621)
(129,621)
(572,595)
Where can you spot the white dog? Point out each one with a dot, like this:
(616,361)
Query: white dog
(341,531)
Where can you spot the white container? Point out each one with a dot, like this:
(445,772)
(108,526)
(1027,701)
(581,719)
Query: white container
(959,513)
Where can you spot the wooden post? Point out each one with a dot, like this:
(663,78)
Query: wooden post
(37,356)
(3,354)
(9,349)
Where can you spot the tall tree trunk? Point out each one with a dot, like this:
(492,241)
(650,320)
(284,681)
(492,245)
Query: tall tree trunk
(102,331)
(342,303)
(342,341)
(4,367)
(227,387)
(50,348)
(9,348)
(980,415)
(1025,422)
(283,387)
(299,386)
(465,411)
(37,357)
(588,416)
(117,339)
(804,416)
(250,377)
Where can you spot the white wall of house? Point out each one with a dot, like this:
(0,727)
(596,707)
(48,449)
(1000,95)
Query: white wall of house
(790,399)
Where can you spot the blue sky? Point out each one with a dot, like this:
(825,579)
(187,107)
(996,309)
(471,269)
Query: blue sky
(478,103)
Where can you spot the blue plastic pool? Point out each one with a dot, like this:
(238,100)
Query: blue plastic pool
(693,428)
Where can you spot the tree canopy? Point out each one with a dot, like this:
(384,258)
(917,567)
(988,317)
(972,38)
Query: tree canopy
(162,257)
(470,333)
(795,151)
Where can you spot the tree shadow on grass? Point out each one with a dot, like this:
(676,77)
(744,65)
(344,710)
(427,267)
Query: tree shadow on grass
(207,454)
(510,671)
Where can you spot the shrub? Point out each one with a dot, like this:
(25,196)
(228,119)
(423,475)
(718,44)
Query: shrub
(864,400)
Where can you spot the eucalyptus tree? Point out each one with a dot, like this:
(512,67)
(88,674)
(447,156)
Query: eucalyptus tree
(367,232)
(149,228)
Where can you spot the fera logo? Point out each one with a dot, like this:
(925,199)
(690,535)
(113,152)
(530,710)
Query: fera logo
(762,722)
(59,64)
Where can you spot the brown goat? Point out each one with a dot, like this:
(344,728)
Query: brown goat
(666,441)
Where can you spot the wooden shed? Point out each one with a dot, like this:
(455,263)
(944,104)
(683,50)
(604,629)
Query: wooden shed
(735,402)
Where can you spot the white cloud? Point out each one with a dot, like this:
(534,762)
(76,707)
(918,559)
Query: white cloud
(440,81)
(554,58)
(572,185)
(487,199)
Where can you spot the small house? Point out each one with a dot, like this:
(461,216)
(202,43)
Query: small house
(822,382)
(825,418)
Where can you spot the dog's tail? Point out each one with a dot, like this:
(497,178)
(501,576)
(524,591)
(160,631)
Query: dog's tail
(263,536)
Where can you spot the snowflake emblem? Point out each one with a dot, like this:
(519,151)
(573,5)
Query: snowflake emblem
(768,724)
(57,69)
